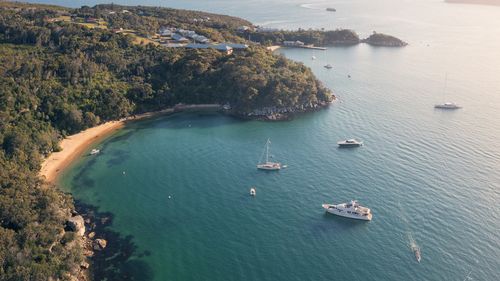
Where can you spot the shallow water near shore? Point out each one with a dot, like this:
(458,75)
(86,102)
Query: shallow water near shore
(176,188)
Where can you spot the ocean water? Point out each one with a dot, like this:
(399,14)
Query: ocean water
(176,187)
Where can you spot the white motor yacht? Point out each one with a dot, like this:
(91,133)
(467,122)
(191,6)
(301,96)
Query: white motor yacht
(447,105)
(349,143)
(94,151)
(253,191)
(349,210)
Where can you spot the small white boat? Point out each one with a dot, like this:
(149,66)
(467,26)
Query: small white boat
(268,165)
(447,105)
(313,57)
(349,143)
(252,191)
(349,210)
(94,151)
(328,66)
(416,250)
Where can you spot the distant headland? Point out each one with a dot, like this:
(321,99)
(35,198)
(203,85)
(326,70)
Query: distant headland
(476,2)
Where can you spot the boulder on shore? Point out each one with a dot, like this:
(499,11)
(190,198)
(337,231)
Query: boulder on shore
(76,224)
(84,265)
(100,244)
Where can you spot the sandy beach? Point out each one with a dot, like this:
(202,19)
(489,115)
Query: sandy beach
(73,146)
(477,2)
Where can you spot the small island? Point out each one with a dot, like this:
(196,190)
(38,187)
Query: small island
(383,40)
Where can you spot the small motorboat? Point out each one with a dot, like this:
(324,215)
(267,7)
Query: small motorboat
(252,191)
(349,143)
(328,66)
(447,105)
(94,151)
(331,9)
(416,250)
(313,57)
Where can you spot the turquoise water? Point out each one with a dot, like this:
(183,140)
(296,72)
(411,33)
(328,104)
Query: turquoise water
(429,176)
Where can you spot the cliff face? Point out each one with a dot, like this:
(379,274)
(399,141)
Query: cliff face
(379,39)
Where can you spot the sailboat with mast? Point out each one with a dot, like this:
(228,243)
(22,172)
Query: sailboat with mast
(268,165)
(447,105)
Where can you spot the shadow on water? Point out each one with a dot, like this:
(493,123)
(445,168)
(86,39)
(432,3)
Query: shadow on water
(122,136)
(120,259)
(187,120)
(82,178)
(118,157)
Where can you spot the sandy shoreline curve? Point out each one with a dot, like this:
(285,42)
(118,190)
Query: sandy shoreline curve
(73,146)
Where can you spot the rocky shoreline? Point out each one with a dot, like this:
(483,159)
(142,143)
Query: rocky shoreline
(107,254)
(275,113)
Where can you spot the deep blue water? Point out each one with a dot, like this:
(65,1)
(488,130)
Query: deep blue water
(429,176)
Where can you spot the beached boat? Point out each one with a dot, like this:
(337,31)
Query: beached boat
(349,210)
(349,143)
(328,66)
(268,165)
(253,191)
(94,151)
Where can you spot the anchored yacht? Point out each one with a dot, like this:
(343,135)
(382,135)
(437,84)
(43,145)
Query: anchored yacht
(447,105)
(349,210)
(268,165)
(94,151)
(328,66)
(349,143)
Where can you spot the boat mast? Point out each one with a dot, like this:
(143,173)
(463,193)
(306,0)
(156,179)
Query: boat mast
(267,150)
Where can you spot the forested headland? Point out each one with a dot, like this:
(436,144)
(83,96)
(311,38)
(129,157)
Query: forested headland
(58,77)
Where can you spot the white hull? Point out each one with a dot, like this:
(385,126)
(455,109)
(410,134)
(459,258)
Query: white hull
(448,105)
(269,166)
(349,143)
(343,213)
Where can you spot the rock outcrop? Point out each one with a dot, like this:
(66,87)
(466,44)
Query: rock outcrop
(76,224)
(100,244)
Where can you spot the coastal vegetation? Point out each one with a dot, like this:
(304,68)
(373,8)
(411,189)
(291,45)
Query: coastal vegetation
(342,37)
(338,37)
(58,77)
(379,39)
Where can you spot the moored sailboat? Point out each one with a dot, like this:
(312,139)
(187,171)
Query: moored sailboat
(268,165)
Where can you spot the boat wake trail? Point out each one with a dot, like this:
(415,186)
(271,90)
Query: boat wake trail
(411,241)
(309,6)
(467,277)
(414,247)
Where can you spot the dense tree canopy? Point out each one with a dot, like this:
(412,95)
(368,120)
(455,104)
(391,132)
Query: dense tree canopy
(58,77)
